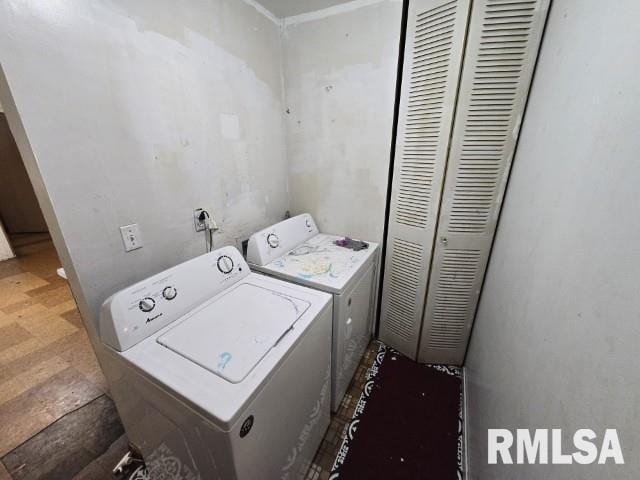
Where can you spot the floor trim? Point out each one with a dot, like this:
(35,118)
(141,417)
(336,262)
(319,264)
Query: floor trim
(465,435)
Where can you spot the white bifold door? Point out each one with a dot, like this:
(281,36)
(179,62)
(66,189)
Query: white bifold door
(466,75)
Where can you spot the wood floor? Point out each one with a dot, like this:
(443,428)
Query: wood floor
(47,366)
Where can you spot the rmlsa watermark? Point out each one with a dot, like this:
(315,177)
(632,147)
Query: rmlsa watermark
(542,448)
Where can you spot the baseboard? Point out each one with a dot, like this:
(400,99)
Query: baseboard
(465,426)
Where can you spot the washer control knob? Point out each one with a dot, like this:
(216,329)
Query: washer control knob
(169,292)
(273,240)
(308,223)
(225,264)
(147,304)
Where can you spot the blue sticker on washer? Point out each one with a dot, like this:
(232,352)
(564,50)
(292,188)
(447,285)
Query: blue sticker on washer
(223,359)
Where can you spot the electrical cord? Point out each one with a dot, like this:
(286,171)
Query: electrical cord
(208,231)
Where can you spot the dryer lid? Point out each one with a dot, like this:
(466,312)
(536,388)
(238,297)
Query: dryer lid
(321,264)
(231,335)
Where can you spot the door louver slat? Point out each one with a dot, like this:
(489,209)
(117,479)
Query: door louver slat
(404,280)
(504,37)
(433,51)
(453,294)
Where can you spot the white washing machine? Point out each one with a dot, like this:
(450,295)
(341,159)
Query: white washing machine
(220,373)
(294,250)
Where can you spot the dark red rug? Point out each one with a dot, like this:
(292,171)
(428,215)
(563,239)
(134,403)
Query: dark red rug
(407,425)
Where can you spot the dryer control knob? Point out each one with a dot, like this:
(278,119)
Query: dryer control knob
(273,240)
(147,304)
(225,264)
(169,293)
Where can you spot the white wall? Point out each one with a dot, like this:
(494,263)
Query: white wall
(555,342)
(340,69)
(5,248)
(287,8)
(6,251)
(140,112)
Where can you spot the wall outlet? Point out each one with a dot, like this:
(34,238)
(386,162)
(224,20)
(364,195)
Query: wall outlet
(131,237)
(199,224)
(207,221)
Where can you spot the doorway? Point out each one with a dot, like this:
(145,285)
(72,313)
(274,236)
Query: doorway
(49,376)
(21,217)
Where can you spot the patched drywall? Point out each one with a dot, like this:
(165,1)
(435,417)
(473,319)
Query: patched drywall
(555,341)
(340,69)
(140,112)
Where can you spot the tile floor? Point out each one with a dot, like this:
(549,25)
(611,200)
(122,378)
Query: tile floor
(323,462)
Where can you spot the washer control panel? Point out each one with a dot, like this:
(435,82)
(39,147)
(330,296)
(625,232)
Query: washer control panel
(273,242)
(139,311)
(225,264)
(169,293)
(147,304)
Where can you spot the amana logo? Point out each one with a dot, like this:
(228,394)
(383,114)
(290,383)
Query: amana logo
(151,319)
(542,448)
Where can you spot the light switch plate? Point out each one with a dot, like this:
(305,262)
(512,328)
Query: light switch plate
(131,237)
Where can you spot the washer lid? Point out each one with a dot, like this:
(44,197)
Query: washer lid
(320,263)
(231,335)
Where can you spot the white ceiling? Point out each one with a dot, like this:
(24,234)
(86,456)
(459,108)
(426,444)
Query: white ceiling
(288,8)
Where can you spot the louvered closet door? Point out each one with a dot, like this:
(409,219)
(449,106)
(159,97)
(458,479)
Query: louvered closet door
(503,40)
(433,52)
